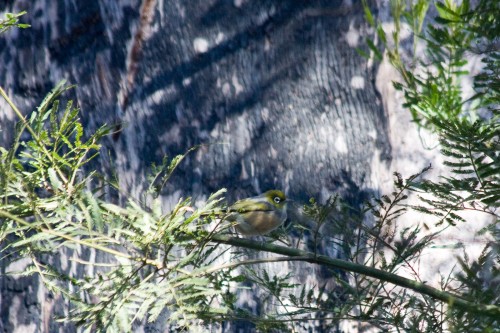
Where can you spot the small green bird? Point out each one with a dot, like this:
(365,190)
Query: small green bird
(258,215)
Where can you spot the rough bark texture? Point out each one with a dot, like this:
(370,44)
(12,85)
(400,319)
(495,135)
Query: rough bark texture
(274,90)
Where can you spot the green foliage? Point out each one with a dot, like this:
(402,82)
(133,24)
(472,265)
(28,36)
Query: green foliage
(468,128)
(12,20)
(471,151)
(160,174)
(156,261)
(156,264)
(432,82)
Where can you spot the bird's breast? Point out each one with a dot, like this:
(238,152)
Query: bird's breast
(259,222)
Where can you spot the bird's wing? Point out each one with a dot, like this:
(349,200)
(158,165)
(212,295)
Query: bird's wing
(240,206)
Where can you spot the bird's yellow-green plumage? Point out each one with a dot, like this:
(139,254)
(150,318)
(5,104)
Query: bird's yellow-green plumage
(258,215)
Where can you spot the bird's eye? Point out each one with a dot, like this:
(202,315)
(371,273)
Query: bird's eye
(277,200)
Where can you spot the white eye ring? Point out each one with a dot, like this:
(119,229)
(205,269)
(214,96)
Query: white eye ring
(277,200)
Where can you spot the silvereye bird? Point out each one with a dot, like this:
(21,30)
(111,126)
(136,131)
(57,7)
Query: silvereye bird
(258,215)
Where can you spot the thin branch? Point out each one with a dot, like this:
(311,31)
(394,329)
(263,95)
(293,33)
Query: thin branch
(449,298)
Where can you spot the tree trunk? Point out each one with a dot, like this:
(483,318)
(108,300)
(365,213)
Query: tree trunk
(274,93)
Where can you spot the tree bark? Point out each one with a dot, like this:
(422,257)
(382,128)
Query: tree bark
(274,92)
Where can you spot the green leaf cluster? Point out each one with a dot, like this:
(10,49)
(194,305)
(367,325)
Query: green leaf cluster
(144,263)
(432,82)
(468,128)
(149,261)
(12,20)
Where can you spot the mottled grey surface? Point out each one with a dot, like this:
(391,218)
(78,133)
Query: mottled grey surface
(274,90)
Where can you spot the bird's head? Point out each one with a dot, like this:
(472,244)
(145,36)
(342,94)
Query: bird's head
(276,198)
